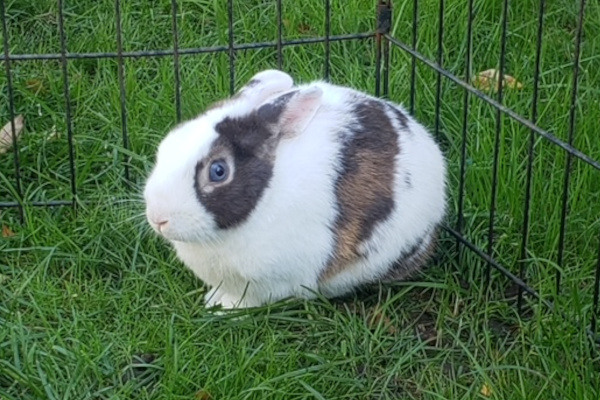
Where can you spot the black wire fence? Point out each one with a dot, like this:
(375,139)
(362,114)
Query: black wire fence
(385,43)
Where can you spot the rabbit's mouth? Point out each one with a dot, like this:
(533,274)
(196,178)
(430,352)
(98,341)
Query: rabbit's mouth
(182,229)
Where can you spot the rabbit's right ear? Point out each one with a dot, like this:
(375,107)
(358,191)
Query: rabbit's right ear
(290,113)
(264,85)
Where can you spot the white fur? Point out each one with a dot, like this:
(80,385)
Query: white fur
(286,242)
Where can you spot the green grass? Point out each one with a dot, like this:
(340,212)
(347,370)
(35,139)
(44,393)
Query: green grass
(86,298)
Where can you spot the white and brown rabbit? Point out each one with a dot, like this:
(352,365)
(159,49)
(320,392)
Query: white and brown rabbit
(287,191)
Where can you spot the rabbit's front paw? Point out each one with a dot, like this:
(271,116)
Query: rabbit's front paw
(217,297)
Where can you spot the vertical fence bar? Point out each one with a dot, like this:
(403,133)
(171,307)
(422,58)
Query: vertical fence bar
(11,109)
(500,80)
(122,92)
(413,65)
(596,299)
(531,153)
(384,22)
(68,116)
(176,60)
(440,61)
(327,36)
(386,68)
(279,35)
(572,114)
(378,55)
(386,49)
(465,123)
(231,51)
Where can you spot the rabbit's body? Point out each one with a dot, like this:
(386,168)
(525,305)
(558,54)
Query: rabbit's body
(351,192)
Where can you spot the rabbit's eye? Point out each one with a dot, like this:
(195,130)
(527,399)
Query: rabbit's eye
(219,171)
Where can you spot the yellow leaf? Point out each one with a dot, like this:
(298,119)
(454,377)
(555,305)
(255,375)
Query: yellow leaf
(35,85)
(203,395)
(7,232)
(486,390)
(379,318)
(6,134)
(488,80)
(303,28)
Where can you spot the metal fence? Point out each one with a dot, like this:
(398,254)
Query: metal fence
(385,44)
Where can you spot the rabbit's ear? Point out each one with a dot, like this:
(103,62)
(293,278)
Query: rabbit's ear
(291,112)
(264,85)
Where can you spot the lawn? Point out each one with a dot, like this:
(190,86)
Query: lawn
(94,306)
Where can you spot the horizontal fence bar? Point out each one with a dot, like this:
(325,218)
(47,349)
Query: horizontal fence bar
(188,51)
(524,121)
(52,203)
(491,261)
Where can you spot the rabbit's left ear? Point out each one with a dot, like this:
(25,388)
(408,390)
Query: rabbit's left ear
(291,112)
(264,85)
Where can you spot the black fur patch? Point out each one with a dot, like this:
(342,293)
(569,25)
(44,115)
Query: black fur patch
(414,258)
(400,117)
(271,111)
(247,140)
(408,180)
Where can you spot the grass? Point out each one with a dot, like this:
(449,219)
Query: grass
(93,306)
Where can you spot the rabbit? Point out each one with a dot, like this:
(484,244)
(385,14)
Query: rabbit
(297,191)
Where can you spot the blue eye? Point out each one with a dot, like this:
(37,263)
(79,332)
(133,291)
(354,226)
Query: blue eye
(219,171)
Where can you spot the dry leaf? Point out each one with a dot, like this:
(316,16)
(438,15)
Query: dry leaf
(35,85)
(486,390)
(378,318)
(6,134)
(303,28)
(7,232)
(203,395)
(488,80)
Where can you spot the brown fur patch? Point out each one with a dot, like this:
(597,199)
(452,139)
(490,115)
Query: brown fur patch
(365,187)
(411,261)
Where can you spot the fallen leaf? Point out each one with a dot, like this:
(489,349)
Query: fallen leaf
(379,318)
(303,28)
(486,390)
(6,134)
(7,232)
(203,395)
(286,22)
(488,80)
(35,85)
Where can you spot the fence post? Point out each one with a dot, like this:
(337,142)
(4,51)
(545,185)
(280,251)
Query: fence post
(384,23)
